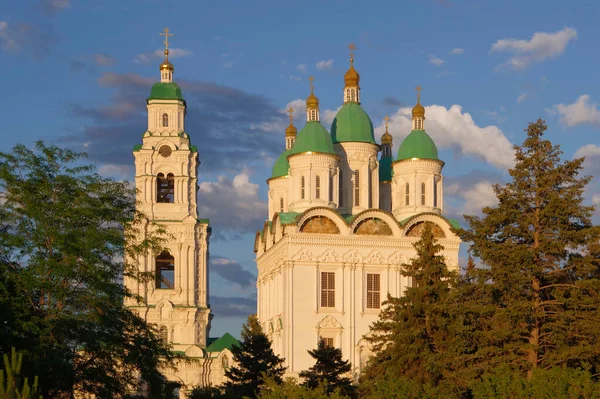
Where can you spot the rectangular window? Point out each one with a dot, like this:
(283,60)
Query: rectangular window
(330,188)
(407,194)
(302,188)
(327,289)
(373,293)
(434,194)
(318,187)
(341,184)
(423,193)
(327,341)
(356,188)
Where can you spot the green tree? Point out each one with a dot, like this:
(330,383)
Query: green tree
(329,368)
(254,362)
(62,258)
(413,338)
(11,386)
(537,301)
(290,389)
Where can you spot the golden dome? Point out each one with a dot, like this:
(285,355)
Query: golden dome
(386,138)
(291,130)
(351,78)
(166,65)
(312,101)
(418,111)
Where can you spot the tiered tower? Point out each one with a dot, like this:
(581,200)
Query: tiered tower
(166,179)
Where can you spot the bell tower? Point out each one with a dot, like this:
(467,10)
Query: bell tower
(175,299)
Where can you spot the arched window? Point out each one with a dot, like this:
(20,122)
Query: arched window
(330,188)
(318,187)
(347,95)
(435,194)
(225,362)
(165,188)
(163,334)
(302,187)
(356,188)
(423,193)
(313,115)
(341,187)
(165,120)
(406,194)
(281,204)
(165,271)
(353,94)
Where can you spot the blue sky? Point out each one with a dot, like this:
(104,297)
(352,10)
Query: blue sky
(76,73)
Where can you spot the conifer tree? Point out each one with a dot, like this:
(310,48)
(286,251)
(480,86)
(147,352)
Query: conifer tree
(330,369)
(538,298)
(411,339)
(254,362)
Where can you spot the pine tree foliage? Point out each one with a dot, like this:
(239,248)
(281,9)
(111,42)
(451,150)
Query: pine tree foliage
(10,379)
(62,248)
(290,389)
(538,299)
(412,339)
(254,362)
(329,368)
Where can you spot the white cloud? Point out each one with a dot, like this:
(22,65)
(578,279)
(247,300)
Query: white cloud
(457,51)
(143,58)
(578,113)
(302,68)
(232,203)
(589,150)
(436,60)
(451,128)
(322,65)
(540,47)
(475,196)
(522,97)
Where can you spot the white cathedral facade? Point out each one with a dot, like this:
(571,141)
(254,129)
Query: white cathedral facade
(344,213)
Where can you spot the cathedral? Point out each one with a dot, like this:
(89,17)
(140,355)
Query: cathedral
(344,213)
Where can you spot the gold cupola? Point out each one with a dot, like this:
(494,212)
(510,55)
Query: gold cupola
(290,132)
(418,112)
(166,68)
(351,81)
(312,103)
(386,138)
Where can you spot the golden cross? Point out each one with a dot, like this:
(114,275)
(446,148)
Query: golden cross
(166,35)
(387,118)
(352,47)
(291,112)
(311,80)
(418,89)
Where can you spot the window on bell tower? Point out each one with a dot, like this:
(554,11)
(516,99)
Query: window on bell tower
(165,271)
(356,188)
(165,120)
(407,194)
(165,188)
(423,193)
(302,187)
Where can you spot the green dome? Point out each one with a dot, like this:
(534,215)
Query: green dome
(313,137)
(281,166)
(417,144)
(352,124)
(166,91)
(385,169)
